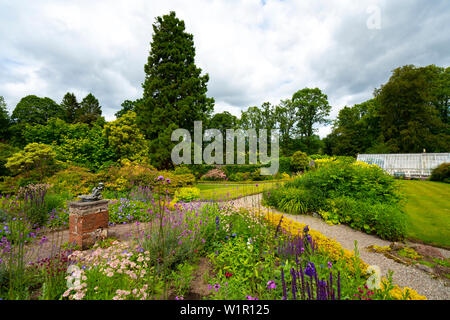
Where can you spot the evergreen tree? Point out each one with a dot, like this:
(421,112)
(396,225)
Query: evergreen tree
(174,91)
(127,105)
(70,106)
(5,121)
(90,110)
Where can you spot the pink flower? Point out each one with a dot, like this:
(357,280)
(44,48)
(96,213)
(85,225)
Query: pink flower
(271,285)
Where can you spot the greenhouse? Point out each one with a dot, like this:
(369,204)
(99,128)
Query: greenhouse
(408,164)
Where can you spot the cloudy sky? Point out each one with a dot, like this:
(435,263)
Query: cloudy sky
(254,51)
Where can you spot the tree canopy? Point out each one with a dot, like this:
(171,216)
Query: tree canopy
(35,110)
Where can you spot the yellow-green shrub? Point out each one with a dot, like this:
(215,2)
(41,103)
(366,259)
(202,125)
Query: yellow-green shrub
(73,180)
(187,194)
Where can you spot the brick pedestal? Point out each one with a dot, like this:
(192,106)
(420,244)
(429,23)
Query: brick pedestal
(88,222)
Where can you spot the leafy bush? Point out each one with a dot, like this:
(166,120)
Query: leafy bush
(284,165)
(214,175)
(358,194)
(73,181)
(441,173)
(358,180)
(383,219)
(179,170)
(199,170)
(126,139)
(34,156)
(6,151)
(187,194)
(299,161)
(131,175)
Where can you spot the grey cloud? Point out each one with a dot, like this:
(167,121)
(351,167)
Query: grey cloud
(272,58)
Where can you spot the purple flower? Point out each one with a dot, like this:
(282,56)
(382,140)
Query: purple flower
(168,181)
(217,222)
(310,269)
(330,264)
(160,178)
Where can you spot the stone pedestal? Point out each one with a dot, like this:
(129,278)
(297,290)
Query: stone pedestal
(88,222)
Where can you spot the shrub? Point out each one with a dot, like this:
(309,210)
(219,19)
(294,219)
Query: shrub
(284,165)
(299,161)
(34,156)
(126,139)
(441,173)
(73,181)
(187,194)
(131,175)
(358,194)
(6,151)
(214,175)
(386,220)
(182,170)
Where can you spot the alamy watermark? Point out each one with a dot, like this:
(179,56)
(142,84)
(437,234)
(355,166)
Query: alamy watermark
(214,152)
(374,20)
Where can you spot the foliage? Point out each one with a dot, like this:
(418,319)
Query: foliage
(357,194)
(90,110)
(71,107)
(409,122)
(34,110)
(35,206)
(182,170)
(132,174)
(385,220)
(5,120)
(127,106)
(6,151)
(126,210)
(313,108)
(34,156)
(408,114)
(77,143)
(187,194)
(356,130)
(214,175)
(299,161)
(125,138)
(441,173)
(284,165)
(174,91)
(72,181)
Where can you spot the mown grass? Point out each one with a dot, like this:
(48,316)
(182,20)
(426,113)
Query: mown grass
(428,210)
(217,191)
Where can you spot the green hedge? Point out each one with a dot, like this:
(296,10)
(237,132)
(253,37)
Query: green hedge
(441,173)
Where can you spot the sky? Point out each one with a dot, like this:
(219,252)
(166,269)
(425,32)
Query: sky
(254,51)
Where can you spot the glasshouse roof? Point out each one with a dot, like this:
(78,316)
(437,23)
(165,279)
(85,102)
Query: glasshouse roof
(408,164)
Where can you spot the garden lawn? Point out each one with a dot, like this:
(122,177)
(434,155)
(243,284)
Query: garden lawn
(428,211)
(226,191)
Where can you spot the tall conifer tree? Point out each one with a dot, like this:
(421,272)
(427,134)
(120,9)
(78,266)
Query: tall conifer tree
(174,90)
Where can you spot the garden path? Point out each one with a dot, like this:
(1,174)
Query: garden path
(404,276)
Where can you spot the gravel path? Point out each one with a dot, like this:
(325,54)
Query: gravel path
(404,276)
